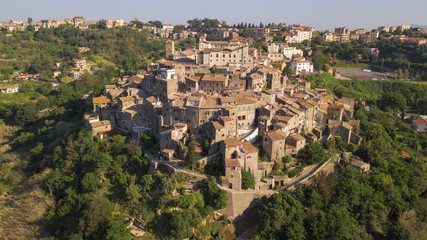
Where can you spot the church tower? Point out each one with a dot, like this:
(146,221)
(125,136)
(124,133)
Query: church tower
(170,49)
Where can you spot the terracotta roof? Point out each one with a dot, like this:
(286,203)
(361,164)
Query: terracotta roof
(100,123)
(321,89)
(404,154)
(347,125)
(335,106)
(283,118)
(249,147)
(195,78)
(312,102)
(110,86)
(101,99)
(217,125)
(354,122)
(232,163)
(152,99)
(127,99)
(232,142)
(276,135)
(210,50)
(243,101)
(210,102)
(226,119)
(10,86)
(168,151)
(214,78)
(298,137)
(419,122)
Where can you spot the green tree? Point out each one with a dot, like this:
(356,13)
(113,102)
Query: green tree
(90,182)
(281,218)
(43,104)
(287,71)
(336,223)
(96,217)
(26,114)
(248,180)
(119,229)
(192,156)
(147,140)
(314,153)
(213,195)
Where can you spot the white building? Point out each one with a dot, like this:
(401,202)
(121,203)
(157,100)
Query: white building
(302,66)
(203,44)
(420,125)
(290,52)
(225,57)
(328,37)
(273,48)
(298,36)
(80,63)
(10,89)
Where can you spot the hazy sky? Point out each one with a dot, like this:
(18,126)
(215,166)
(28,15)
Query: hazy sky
(322,15)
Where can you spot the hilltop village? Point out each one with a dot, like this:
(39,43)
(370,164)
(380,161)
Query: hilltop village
(145,130)
(232,102)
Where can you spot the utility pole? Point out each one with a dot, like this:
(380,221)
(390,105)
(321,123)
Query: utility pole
(382,64)
(409,65)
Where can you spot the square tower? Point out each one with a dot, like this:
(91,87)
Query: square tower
(170,49)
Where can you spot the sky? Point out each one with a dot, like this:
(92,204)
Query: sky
(321,14)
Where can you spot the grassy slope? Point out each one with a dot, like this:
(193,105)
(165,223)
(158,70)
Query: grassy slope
(22,211)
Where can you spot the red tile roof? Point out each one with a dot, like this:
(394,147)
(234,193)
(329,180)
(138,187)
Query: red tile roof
(419,122)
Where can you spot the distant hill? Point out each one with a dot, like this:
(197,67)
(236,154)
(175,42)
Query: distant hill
(418,26)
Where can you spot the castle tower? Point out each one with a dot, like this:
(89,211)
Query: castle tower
(170,49)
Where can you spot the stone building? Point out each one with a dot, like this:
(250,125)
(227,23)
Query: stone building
(294,144)
(255,82)
(170,138)
(225,57)
(335,112)
(170,49)
(274,144)
(274,81)
(213,83)
(243,152)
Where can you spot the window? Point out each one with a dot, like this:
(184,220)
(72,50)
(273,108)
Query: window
(249,107)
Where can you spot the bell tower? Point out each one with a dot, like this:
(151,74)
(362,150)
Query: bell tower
(170,49)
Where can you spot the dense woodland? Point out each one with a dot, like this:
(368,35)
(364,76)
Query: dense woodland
(97,186)
(349,204)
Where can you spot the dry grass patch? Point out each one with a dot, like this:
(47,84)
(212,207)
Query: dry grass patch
(5,133)
(22,211)
(417,228)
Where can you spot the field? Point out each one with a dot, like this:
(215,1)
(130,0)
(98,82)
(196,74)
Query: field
(352,65)
(360,74)
(19,98)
